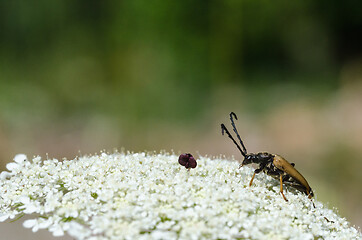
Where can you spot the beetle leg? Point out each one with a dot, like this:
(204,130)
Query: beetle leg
(255,172)
(281,187)
(310,194)
(251,181)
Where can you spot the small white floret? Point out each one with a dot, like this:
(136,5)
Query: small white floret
(12,166)
(30,223)
(5,175)
(3,217)
(20,158)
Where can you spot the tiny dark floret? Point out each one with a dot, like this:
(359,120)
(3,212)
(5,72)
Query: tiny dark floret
(187,160)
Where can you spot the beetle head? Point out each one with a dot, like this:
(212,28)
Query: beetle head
(249,158)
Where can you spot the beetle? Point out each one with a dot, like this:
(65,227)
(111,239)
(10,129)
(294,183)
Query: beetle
(272,164)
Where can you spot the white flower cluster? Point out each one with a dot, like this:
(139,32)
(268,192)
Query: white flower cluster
(151,196)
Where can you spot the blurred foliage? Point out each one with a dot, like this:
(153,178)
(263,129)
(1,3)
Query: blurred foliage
(86,75)
(120,56)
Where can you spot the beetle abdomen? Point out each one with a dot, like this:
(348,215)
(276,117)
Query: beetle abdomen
(287,168)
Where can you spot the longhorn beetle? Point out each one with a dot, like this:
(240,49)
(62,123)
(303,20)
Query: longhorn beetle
(271,164)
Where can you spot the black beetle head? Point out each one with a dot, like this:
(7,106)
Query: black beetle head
(249,158)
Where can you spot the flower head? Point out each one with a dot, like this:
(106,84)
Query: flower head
(146,196)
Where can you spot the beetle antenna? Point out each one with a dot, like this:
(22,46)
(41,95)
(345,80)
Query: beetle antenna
(232,114)
(224,129)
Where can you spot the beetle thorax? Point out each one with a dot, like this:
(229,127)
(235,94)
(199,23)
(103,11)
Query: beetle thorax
(261,157)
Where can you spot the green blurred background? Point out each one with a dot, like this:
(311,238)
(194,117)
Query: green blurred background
(77,77)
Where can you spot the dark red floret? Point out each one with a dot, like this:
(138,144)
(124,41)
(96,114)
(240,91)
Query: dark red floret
(192,162)
(187,160)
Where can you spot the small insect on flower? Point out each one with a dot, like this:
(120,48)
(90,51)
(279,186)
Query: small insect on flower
(271,164)
(187,160)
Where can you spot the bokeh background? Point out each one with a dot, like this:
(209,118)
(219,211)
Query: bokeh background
(78,77)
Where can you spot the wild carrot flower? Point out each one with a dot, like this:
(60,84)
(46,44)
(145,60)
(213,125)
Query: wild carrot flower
(149,196)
